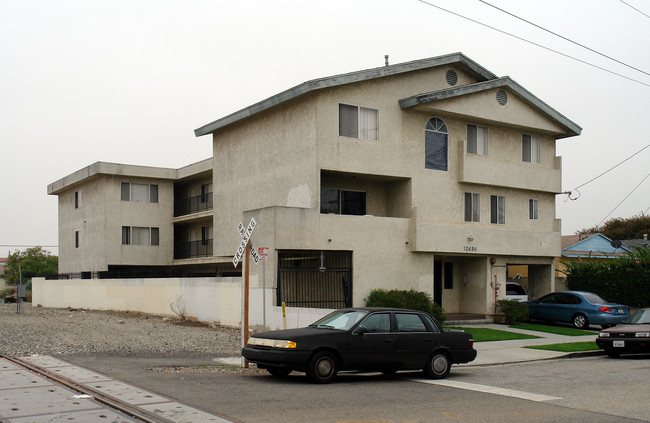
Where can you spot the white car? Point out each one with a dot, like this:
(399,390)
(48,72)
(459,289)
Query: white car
(516,292)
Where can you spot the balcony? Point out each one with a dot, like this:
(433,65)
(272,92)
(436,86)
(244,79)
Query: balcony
(191,205)
(193,249)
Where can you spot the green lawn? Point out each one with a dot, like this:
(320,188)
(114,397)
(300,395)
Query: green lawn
(570,347)
(558,330)
(484,334)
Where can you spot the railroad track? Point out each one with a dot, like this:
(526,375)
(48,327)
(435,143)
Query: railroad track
(109,401)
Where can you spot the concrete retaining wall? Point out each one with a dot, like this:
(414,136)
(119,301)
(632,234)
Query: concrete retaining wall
(210,300)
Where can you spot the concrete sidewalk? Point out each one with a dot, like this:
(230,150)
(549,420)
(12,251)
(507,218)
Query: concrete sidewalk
(502,352)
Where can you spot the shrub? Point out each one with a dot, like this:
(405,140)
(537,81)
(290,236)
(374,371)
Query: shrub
(5,291)
(625,280)
(514,311)
(415,300)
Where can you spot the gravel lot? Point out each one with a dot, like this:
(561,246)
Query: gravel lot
(49,331)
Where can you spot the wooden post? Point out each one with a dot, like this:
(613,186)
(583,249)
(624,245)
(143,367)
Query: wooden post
(246,286)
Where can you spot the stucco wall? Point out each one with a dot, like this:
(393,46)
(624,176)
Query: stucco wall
(205,299)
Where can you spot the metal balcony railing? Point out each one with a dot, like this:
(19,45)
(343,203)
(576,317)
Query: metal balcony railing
(192,205)
(193,249)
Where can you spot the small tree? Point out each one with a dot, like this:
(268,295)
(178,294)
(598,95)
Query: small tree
(33,262)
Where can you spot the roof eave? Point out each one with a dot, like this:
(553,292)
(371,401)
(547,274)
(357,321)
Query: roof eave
(337,80)
(572,128)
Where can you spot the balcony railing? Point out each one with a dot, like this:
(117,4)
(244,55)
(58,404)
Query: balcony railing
(193,249)
(192,205)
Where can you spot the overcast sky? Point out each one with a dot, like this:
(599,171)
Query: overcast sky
(128,82)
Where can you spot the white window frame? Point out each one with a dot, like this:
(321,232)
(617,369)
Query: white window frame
(498,214)
(531,148)
(474,206)
(363,132)
(473,144)
(152,190)
(533,209)
(153,235)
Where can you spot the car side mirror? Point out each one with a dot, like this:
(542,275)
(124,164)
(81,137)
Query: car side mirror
(361,331)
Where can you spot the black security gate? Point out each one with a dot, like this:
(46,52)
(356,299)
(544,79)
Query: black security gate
(314,278)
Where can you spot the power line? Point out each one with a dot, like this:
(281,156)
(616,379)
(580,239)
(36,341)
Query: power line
(646,177)
(534,43)
(629,5)
(608,170)
(564,38)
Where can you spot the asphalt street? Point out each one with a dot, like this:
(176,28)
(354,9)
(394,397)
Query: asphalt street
(590,389)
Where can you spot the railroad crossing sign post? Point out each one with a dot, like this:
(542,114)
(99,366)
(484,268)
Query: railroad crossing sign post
(243,251)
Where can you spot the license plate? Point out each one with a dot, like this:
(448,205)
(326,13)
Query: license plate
(619,344)
(620,311)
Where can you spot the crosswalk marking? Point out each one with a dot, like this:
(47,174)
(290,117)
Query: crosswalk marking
(489,389)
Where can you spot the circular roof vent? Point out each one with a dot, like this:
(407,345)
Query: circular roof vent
(452,77)
(502,97)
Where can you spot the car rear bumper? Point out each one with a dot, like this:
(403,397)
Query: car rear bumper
(285,358)
(463,356)
(607,318)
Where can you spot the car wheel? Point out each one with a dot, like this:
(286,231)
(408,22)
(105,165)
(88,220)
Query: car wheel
(580,321)
(322,367)
(438,366)
(278,371)
(613,353)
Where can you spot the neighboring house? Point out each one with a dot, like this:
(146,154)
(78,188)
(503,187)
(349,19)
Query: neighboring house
(432,175)
(631,244)
(582,248)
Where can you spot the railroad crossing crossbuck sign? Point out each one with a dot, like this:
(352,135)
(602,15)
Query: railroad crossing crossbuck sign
(245,238)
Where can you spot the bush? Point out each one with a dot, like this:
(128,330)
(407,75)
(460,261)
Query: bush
(411,299)
(625,280)
(5,291)
(514,311)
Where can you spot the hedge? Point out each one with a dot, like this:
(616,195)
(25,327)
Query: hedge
(625,280)
(414,300)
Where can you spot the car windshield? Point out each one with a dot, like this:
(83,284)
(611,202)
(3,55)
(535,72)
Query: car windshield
(639,318)
(593,298)
(340,319)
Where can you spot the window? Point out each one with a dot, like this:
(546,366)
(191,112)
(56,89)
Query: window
(340,201)
(206,189)
(137,235)
(139,193)
(472,207)
(409,323)
(358,122)
(77,199)
(449,275)
(376,323)
(477,140)
(533,210)
(76,239)
(530,148)
(206,234)
(498,209)
(435,145)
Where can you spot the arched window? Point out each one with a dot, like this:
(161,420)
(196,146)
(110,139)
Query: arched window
(436,144)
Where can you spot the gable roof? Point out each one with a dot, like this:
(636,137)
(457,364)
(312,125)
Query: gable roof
(596,246)
(471,66)
(505,82)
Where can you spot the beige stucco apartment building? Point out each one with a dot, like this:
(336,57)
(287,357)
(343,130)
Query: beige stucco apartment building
(431,175)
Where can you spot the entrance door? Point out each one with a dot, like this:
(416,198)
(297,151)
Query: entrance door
(437,282)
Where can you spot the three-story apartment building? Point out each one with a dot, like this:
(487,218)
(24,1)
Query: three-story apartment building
(431,175)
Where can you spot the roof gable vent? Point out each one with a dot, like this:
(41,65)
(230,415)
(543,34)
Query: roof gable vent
(502,97)
(452,77)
